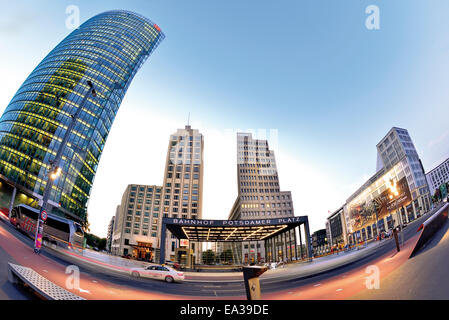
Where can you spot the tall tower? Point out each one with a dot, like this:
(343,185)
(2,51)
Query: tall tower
(183,185)
(259,195)
(107,50)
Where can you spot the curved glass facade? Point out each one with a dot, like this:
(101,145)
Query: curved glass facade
(108,49)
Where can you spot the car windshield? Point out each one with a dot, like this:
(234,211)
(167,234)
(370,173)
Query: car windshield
(162,269)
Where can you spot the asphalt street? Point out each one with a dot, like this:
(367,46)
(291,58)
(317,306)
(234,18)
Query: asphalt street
(425,276)
(108,281)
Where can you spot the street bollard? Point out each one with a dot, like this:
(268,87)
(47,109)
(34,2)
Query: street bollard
(396,239)
(252,285)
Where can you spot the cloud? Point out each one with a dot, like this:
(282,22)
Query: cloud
(432,143)
(16,23)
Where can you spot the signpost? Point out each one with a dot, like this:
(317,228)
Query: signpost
(252,285)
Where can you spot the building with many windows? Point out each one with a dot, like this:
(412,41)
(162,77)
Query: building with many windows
(259,194)
(183,189)
(110,234)
(319,242)
(137,225)
(438,175)
(370,209)
(106,50)
(140,215)
(336,228)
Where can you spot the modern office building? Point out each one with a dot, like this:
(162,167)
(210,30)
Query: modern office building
(319,241)
(437,176)
(137,225)
(336,228)
(183,189)
(139,220)
(110,234)
(106,50)
(328,231)
(370,209)
(259,195)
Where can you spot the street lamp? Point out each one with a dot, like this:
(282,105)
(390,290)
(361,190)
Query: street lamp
(55,170)
(394,193)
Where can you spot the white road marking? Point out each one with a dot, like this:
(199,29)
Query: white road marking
(45,270)
(316,285)
(94,281)
(339,290)
(84,291)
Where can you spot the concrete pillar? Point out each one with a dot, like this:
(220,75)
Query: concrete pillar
(296,243)
(275,247)
(265,249)
(256,251)
(162,244)
(307,235)
(275,253)
(285,246)
(282,235)
(290,244)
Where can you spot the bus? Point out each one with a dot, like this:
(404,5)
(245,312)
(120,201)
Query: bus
(57,230)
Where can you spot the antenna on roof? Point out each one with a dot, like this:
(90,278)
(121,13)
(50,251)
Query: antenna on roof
(188,119)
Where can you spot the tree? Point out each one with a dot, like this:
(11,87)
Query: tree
(95,242)
(226,256)
(437,195)
(102,244)
(85,225)
(208,256)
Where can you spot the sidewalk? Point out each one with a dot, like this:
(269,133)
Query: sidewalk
(293,270)
(289,271)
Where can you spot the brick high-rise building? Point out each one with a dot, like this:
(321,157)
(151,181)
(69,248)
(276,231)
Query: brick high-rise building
(259,195)
(183,187)
(138,224)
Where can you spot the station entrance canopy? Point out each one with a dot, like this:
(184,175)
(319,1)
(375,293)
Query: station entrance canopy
(203,230)
(230,230)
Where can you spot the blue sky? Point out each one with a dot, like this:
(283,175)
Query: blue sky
(309,69)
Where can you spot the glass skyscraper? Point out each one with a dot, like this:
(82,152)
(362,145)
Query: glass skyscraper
(107,50)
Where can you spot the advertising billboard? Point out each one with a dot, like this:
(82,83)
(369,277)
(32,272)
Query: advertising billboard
(366,213)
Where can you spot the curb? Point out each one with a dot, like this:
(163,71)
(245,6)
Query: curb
(311,274)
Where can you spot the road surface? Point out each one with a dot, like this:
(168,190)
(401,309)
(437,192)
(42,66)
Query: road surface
(396,271)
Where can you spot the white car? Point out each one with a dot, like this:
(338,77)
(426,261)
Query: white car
(165,273)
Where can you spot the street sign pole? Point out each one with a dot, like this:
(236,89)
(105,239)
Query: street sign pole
(54,167)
